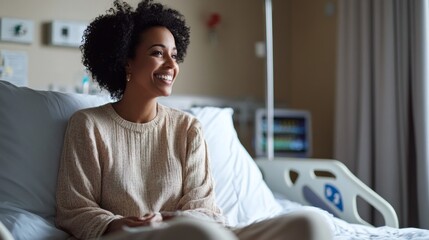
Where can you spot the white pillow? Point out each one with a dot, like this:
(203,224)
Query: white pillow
(32,126)
(240,190)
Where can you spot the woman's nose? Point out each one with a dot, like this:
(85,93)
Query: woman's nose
(170,62)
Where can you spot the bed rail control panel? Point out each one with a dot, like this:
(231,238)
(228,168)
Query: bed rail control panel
(334,196)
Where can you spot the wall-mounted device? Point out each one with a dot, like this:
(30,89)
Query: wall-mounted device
(16,30)
(66,33)
(292,133)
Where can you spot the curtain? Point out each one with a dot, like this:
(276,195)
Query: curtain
(380,104)
(420,67)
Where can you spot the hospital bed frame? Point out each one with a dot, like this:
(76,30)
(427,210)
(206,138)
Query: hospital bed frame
(327,184)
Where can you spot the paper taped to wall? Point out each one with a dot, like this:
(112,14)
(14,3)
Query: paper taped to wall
(14,67)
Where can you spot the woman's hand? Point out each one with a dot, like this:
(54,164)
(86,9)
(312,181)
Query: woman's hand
(146,220)
(169,215)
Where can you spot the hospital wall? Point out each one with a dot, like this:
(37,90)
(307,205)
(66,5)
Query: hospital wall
(304,55)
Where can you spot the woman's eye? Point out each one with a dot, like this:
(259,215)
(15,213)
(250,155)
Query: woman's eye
(174,56)
(157,53)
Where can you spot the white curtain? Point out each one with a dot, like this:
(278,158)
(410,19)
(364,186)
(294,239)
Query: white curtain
(381,110)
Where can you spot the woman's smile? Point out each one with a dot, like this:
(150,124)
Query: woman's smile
(166,78)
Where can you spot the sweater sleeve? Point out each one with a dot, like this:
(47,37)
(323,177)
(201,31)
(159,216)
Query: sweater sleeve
(198,186)
(79,183)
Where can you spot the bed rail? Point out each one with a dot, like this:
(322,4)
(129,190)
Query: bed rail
(327,184)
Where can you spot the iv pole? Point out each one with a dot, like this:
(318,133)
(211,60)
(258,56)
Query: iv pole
(269,98)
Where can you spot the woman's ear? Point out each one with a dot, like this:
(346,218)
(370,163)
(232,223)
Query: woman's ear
(128,71)
(128,67)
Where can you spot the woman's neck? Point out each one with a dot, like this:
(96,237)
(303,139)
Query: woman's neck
(136,110)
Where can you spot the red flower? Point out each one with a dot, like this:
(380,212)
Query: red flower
(214,20)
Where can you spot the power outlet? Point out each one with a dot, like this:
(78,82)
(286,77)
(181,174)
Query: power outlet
(16,30)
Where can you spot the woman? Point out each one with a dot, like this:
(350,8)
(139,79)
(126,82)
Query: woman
(135,162)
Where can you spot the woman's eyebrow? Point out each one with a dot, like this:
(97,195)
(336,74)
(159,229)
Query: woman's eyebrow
(160,45)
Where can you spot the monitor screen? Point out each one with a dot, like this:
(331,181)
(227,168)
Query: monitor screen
(291,133)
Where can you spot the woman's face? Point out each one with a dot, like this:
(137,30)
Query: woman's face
(154,68)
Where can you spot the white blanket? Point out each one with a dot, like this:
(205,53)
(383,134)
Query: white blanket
(346,231)
(25,225)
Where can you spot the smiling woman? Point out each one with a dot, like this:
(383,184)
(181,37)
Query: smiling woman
(137,163)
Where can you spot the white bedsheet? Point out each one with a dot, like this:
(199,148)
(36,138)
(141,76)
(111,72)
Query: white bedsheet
(346,231)
(25,225)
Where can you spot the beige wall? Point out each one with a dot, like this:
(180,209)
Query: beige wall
(50,64)
(304,52)
(305,43)
(206,69)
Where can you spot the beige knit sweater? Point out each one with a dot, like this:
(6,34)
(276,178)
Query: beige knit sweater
(112,168)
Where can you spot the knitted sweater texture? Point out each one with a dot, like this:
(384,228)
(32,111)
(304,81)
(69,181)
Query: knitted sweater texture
(113,168)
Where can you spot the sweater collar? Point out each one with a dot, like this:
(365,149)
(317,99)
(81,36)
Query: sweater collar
(139,127)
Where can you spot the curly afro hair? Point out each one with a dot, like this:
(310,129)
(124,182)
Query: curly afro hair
(111,39)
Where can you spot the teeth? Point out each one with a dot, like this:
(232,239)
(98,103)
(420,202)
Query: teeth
(164,77)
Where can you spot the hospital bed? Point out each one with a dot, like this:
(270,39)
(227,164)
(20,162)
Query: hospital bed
(32,126)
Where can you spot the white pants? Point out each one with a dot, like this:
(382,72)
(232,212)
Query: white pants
(300,225)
